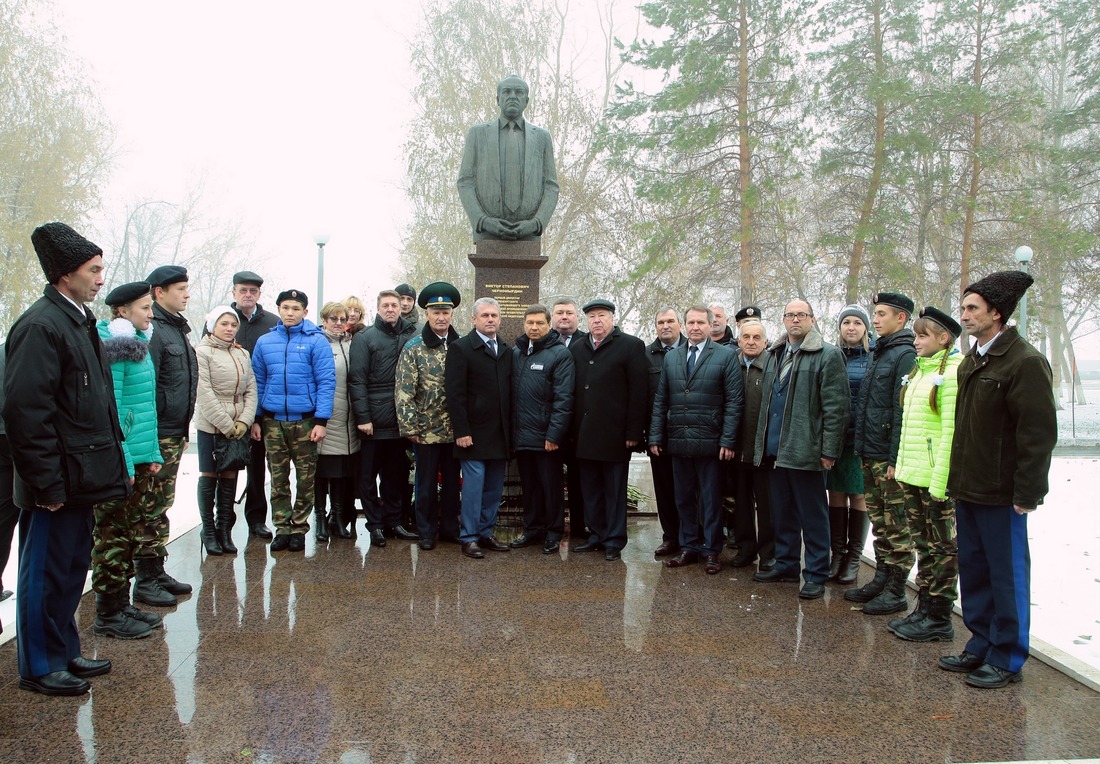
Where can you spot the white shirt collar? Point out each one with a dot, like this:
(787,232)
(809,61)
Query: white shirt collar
(983,349)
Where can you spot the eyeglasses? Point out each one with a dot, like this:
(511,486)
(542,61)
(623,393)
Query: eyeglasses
(799,316)
(337,319)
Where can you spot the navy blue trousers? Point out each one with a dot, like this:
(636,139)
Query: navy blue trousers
(604,485)
(55,549)
(698,482)
(995,582)
(432,514)
(800,513)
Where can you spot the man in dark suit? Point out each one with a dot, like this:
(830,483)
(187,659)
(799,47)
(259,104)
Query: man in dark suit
(697,411)
(479,398)
(660,463)
(565,320)
(609,419)
(507,181)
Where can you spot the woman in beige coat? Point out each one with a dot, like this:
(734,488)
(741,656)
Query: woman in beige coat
(336,477)
(226,406)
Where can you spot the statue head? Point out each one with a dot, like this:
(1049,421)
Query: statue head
(512,96)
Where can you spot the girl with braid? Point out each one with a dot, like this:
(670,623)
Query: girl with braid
(928,423)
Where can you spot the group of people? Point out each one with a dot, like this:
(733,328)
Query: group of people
(808,442)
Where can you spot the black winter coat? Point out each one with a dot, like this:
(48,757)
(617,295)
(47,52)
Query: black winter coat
(59,408)
(878,413)
(177,369)
(752,379)
(252,329)
(372,372)
(542,393)
(479,396)
(655,356)
(612,388)
(702,413)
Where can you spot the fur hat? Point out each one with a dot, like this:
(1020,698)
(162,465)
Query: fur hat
(61,250)
(1002,290)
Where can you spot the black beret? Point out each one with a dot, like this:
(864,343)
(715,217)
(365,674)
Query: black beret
(895,300)
(127,293)
(941,318)
(61,250)
(166,275)
(439,294)
(293,294)
(247,277)
(405,290)
(1002,290)
(598,304)
(749,311)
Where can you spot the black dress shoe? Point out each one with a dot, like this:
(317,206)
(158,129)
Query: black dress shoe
(260,531)
(743,559)
(666,548)
(297,542)
(471,549)
(775,577)
(963,663)
(377,538)
(86,667)
(766,565)
(525,539)
(990,677)
(589,546)
(493,545)
(427,544)
(56,683)
(403,533)
(683,559)
(612,554)
(811,591)
(281,543)
(549,547)
(711,564)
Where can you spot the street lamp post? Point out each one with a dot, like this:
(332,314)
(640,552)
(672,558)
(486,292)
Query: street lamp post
(1023,257)
(321,240)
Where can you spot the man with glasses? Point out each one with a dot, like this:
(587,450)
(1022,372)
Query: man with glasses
(799,437)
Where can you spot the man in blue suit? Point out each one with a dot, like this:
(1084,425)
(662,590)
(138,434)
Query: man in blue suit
(507,181)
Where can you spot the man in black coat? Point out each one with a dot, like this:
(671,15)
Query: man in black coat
(660,462)
(62,424)
(254,323)
(609,420)
(565,320)
(696,415)
(371,375)
(479,399)
(542,400)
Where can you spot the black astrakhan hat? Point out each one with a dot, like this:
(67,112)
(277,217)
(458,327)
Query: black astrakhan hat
(127,293)
(166,275)
(293,294)
(895,300)
(598,304)
(438,294)
(941,318)
(1002,290)
(61,250)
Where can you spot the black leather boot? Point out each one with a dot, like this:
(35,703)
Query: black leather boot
(227,491)
(869,590)
(207,488)
(838,540)
(918,612)
(112,622)
(167,582)
(343,517)
(858,527)
(892,597)
(147,588)
(935,625)
(128,608)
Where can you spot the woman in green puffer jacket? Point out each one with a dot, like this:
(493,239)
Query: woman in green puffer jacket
(928,422)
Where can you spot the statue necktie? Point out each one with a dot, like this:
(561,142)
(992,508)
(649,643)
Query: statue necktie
(513,169)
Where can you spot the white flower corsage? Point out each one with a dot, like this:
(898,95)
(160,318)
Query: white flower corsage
(937,380)
(905,381)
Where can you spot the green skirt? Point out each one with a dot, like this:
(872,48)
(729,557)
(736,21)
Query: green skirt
(846,476)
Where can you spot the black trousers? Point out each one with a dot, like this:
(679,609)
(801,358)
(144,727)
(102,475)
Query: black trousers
(9,513)
(800,511)
(753,512)
(386,459)
(255,499)
(604,485)
(435,461)
(543,493)
(664,491)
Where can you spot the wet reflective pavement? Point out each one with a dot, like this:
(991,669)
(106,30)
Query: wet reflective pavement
(351,654)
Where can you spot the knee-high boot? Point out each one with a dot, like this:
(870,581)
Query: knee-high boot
(322,526)
(343,516)
(838,540)
(207,488)
(227,490)
(858,526)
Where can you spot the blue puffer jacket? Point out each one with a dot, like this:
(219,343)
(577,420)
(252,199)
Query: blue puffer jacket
(135,384)
(295,373)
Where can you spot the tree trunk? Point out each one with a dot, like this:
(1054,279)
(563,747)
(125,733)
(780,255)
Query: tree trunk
(744,168)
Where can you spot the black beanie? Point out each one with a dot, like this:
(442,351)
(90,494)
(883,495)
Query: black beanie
(61,250)
(1002,290)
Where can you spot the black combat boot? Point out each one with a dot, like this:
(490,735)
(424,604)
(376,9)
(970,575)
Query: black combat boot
(147,587)
(112,622)
(858,526)
(892,597)
(207,488)
(227,490)
(166,581)
(128,608)
(869,590)
(838,540)
(935,625)
(918,612)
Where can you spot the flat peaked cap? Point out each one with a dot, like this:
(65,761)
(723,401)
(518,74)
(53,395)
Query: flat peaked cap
(1002,290)
(941,318)
(61,250)
(127,293)
(895,300)
(598,304)
(247,277)
(292,294)
(166,275)
(438,294)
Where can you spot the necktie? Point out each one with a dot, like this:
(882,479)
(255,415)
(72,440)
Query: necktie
(785,369)
(493,347)
(595,343)
(691,358)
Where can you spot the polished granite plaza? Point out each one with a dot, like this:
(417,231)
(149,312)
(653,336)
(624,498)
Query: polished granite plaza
(354,654)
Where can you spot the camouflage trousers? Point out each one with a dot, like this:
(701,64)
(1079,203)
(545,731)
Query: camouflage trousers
(886,509)
(932,525)
(288,443)
(117,534)
(161,491)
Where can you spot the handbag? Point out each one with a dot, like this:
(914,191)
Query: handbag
(231,453)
